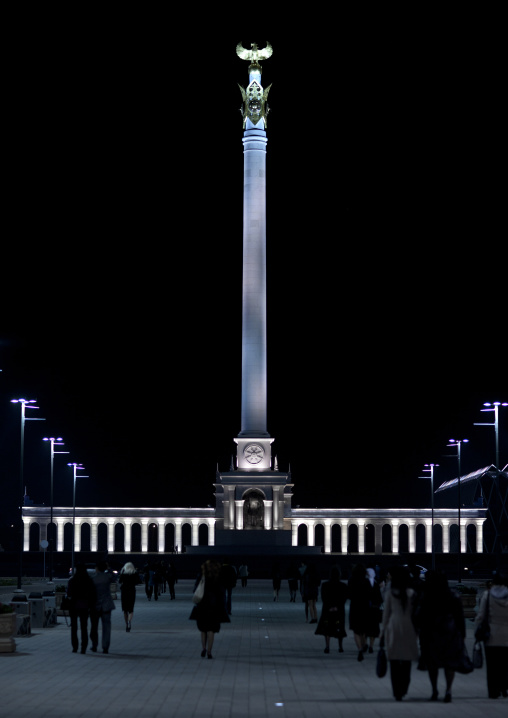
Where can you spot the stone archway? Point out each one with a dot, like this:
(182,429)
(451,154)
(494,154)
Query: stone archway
(303,535)
(253,510)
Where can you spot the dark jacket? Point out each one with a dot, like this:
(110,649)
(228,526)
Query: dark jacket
(81,592)
(103,583)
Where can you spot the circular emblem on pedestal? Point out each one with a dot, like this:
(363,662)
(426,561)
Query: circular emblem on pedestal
(254,453)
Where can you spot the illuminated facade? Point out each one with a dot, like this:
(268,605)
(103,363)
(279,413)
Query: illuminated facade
(253,498)
(159,530)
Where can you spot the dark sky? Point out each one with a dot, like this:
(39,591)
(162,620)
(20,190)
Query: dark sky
(121,286)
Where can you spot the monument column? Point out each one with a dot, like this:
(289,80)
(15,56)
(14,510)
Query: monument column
(254,455)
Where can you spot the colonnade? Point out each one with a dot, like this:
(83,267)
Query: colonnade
(394,524)
(362,520)
(111,524)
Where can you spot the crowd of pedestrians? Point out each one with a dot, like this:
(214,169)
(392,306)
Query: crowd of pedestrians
(413,620)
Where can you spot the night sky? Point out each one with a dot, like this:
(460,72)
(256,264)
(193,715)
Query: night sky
(121,287)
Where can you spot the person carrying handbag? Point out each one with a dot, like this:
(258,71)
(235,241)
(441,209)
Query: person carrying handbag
(210,610)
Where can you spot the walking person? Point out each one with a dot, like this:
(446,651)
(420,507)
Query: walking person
(210,612)
(439,618)
(171,578)
(276,580)
(494,607)
(302,570)
(293,578)
(334,594)
(163,575)
(147,569)
(374,614)
(398,630)
(128,581)
(243,572)
(359,596)
(156,581)
(104,604)
(82,595)
(228,579)
(311,583)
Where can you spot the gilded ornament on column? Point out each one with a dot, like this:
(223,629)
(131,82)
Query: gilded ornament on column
(255,105)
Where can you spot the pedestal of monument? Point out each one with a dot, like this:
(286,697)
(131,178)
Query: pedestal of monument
(256,542)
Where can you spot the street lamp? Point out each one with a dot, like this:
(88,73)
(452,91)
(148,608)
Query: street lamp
(53,442)
(25,404)
(430,469)
(494,406)
(76,467)
(458,443)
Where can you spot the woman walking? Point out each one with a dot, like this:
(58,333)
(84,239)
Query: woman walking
(494,607)
(440,621)
(398,630)
(128,580)
(331,624)
(359,593)
(211,611)
(374,613)
(293,578)
(311,583)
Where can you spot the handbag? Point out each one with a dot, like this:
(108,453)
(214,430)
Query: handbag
(381,662)
(477,655)
(465,664)
(65,604)
(200,591)
(482,633)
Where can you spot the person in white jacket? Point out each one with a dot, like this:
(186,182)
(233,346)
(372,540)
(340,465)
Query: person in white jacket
(494,607)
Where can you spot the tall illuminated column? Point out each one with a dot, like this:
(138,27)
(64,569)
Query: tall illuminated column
(254,442)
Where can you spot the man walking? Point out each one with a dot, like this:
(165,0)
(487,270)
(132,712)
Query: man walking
(104,605)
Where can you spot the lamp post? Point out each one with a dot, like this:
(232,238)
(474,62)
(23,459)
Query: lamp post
(25,404)
(494,406)
(430,469)
(458,443)
(53,442)
(76,467)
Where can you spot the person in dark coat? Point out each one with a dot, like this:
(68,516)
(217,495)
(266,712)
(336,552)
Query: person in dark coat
(439,618)
(359,596)
(494,608)
(228,580)
(128,580)
(103,606)
(82,595)
(171,579)
(374,614)
(310,593)
(334,594)
(210,612)
(276,580)
(293,578)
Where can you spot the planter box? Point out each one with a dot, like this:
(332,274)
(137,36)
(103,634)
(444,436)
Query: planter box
(8,629)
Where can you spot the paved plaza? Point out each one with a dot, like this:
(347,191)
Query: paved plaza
(267,662)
